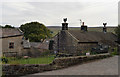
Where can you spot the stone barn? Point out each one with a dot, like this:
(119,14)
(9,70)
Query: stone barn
(76,41)
(11,41)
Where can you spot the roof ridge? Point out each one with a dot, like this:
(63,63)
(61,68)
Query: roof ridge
(20,30)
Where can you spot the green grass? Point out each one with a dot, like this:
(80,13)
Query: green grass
(39,60)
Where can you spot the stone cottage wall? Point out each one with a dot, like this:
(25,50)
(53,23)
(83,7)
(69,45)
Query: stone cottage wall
(17,44)
(65,43)
(85,47)
(32,52)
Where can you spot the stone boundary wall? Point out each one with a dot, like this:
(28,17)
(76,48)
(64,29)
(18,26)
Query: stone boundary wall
(21,69)
(65,62)
(58,63)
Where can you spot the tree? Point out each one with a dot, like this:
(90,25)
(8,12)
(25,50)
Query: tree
(8,26)
(117,31)
(35,31)
(1,26)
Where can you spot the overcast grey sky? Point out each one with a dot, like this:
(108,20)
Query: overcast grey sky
(51,12)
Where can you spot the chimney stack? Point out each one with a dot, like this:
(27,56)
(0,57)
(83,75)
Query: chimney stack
(104,28)
(64,25)
(83,27)
(82,23)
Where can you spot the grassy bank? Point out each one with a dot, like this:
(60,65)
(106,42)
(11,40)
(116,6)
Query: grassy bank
(39,60)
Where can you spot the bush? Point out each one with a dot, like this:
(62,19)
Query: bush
(93,53)
(4,59)
(114,52)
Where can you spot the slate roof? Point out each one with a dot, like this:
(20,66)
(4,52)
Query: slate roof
(26,44)
(9,32)
(39,45)
(93,36)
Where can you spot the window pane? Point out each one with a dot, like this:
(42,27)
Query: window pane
(11,45)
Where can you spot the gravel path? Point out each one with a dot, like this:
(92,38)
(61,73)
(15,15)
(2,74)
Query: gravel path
(108,66)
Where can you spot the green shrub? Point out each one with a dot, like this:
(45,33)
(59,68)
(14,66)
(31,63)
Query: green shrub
(115,52)
(93,53)
(4,59)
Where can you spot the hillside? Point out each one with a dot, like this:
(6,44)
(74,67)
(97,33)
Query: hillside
(58,28)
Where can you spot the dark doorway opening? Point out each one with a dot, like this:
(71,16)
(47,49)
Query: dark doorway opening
(51,44)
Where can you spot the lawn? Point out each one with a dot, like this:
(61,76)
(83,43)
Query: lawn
(39,60)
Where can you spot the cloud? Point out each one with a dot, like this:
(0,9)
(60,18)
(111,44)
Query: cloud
(60,0)
(51,13)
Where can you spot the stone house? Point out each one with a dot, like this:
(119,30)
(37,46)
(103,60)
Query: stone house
(11,41)
(77,41)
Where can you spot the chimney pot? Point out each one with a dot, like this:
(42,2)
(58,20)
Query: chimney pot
(64,24)
(104,28)
(83,24)
(104,24)
(83,27)
(64,19)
